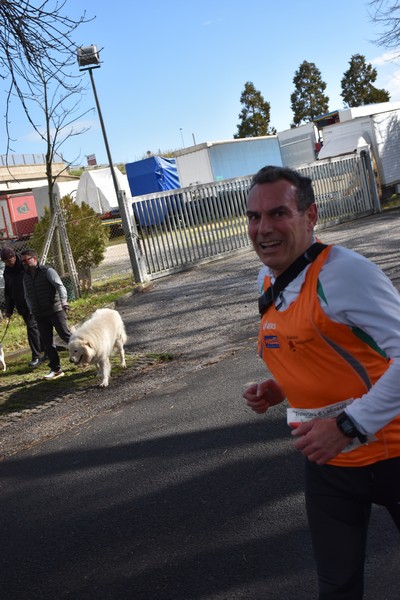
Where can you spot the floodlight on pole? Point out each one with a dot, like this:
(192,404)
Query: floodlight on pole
(89,59)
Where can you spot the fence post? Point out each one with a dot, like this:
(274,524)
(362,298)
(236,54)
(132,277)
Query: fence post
(131,235)
(366,158)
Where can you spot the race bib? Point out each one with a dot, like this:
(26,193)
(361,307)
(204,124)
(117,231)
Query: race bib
(296,416)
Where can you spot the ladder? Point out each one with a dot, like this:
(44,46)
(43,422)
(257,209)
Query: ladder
(58,221)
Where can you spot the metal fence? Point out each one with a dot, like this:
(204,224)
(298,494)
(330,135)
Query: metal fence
(182,227)
(345,188)
(193,224)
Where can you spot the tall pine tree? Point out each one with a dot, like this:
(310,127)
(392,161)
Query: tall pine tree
(308,100)
(357,84)
(255,114)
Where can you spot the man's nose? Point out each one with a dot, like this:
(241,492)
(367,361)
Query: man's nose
(265,224)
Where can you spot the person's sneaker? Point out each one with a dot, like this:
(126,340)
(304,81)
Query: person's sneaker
(35,362)
(54,375)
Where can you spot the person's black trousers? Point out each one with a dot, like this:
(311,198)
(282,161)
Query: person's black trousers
(59,322)
(33,334)
(338,502)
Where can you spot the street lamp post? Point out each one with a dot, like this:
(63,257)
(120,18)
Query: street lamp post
(183,143)
(89,59)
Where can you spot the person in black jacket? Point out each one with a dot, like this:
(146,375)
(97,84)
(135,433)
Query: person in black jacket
(15,299)
(47,299)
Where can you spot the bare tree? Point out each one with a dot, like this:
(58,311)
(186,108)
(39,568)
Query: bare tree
(59,103)
(386,14)
(37,49)
(38,36)
(37,56)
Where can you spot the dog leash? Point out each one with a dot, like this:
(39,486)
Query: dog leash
(4,334)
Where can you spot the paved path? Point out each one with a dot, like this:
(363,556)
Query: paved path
(164,486)
(184,495)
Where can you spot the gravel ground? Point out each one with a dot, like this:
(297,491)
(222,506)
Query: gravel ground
(199,316)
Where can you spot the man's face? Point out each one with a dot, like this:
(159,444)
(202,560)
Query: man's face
(29,262)
(278,231)
(10,262)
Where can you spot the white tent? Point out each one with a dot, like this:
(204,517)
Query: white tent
(96,188)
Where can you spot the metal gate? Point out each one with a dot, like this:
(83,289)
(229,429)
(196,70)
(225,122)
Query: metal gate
(179,228)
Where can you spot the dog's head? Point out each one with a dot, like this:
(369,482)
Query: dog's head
(80,352)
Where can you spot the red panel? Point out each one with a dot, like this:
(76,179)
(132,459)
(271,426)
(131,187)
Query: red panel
(22,207)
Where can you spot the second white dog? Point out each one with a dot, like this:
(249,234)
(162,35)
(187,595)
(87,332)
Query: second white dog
(2,359)
(94,341)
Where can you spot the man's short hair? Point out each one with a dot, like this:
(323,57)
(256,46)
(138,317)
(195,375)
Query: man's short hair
(304,191)
(29,252)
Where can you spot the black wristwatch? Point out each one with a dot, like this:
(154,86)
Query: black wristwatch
(347,427)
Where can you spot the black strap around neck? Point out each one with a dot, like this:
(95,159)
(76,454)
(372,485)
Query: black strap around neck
(268,297)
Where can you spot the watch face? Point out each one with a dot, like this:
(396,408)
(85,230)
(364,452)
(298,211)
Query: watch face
(346,426)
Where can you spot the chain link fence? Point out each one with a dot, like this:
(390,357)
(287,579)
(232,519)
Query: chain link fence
(58,243)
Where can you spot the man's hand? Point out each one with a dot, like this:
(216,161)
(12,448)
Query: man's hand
(66,307)
(260,396)
(320,440)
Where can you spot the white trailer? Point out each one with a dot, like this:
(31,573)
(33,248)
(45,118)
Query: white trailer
(217,161)
(298,145)
(376,126)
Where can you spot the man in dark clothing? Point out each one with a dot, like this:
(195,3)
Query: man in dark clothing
(14,298)
(47,298)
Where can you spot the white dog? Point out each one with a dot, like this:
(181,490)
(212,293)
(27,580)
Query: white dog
(94,341)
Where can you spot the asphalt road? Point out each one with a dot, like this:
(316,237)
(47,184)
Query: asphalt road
(164,486)
(185,495)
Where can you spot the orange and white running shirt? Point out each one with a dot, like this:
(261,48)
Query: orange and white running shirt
(354,292)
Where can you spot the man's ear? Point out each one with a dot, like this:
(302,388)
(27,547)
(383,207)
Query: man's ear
(312,215)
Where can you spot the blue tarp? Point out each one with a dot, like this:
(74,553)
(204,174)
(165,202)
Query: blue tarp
(155,174)
(152,175)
